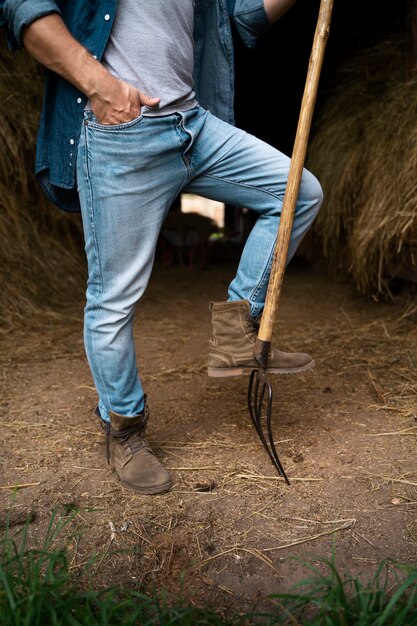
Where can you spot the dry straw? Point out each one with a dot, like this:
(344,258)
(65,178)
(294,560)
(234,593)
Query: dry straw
(40,262)
(365,154)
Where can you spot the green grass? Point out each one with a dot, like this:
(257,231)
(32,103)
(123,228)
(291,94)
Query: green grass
(37,589)
(331,599)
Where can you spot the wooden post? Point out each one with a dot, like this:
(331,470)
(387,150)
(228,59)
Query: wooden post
(263,341)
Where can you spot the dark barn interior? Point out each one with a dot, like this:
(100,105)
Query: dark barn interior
(270,78)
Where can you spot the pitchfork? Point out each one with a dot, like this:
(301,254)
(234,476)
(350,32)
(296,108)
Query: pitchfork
(260,389)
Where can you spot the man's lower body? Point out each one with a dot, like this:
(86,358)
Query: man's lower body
(128,176)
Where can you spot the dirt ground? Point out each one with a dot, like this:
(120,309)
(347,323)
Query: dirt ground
(226,533)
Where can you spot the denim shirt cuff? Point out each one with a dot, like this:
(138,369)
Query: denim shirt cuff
(21,13)
(251,21)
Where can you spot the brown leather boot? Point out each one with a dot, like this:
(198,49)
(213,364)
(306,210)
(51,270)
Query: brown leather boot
(129,454)
(233,339)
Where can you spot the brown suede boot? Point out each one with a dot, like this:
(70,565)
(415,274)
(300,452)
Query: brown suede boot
(129,454)
(233,339)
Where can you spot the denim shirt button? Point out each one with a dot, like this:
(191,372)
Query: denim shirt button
(79,100)
(72,142)
(107,17)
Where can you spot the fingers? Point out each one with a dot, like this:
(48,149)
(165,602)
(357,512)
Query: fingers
(149,101)
(118,102)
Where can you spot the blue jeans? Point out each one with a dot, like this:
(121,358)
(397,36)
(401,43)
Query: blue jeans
(128,175)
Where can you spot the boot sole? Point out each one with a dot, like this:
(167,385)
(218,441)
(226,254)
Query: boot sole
(145,491)
(226,372)
(151,491)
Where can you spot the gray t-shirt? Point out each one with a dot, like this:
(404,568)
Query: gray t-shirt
(151,46)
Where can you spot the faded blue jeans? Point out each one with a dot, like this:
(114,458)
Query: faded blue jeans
(128,175)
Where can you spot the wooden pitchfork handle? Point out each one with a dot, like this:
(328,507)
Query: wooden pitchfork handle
(263,342)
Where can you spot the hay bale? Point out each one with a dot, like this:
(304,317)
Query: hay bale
(365,154)
(40,259)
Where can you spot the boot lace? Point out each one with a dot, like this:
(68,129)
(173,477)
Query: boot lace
(132,438)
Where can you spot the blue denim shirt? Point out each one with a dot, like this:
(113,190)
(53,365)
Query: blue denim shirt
(90,22)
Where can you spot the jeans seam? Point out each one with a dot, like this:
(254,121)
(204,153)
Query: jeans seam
(266,271)
(96,253)
(186,154)
(245,185)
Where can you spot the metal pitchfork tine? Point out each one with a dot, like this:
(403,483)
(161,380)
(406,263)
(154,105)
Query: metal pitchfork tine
(255,403)
(256,395)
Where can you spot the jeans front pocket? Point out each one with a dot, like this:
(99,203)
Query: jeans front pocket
(91,121)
